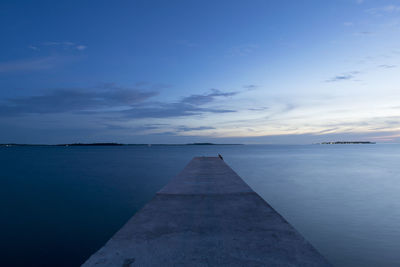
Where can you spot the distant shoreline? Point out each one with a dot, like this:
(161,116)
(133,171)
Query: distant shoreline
(118,144)
(347,143)
(188,144)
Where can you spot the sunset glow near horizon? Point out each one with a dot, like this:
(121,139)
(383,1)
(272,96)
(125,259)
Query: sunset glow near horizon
(200,71)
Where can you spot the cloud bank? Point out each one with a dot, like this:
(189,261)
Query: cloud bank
(124,103)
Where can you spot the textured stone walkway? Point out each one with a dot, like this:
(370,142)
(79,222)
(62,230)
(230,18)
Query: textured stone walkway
(207,216)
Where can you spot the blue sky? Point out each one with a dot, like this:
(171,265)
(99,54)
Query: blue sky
(199,71)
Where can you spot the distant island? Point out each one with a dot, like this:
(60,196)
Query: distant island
(200,144)
(92,144)
(211,144)
(346,142)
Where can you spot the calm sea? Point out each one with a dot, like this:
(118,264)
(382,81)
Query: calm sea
(60,204)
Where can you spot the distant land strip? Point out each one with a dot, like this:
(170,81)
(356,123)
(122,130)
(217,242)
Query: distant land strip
(347,142)
(119,144)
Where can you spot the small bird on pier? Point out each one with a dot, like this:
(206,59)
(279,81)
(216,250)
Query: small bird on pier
(219,155)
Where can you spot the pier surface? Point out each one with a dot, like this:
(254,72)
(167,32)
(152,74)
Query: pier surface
(207,216)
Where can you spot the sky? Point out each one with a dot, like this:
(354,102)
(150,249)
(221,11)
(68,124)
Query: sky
(226,71)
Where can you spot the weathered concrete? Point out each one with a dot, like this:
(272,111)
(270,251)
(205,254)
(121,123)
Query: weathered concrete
(207,216)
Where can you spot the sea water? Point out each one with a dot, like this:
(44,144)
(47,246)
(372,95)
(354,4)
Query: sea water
(59,205)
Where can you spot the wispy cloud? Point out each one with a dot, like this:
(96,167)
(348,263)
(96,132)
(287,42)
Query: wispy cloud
(66,45)
(28,64)
(187,43)
(242,50)
(188,106)
(136,128)
(391,8)
(170,110)
(58,43)
(74,100)
(364,33)
(250,87)
(33,47)
(121,103)
(258,109)
(41,61)
(206,98)
(383,9)
(386,66)
(190,129)
(343,77)
(81,47)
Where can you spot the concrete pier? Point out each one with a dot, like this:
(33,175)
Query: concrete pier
(207,216)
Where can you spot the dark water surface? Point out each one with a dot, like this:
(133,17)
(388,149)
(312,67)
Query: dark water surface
(58,205)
